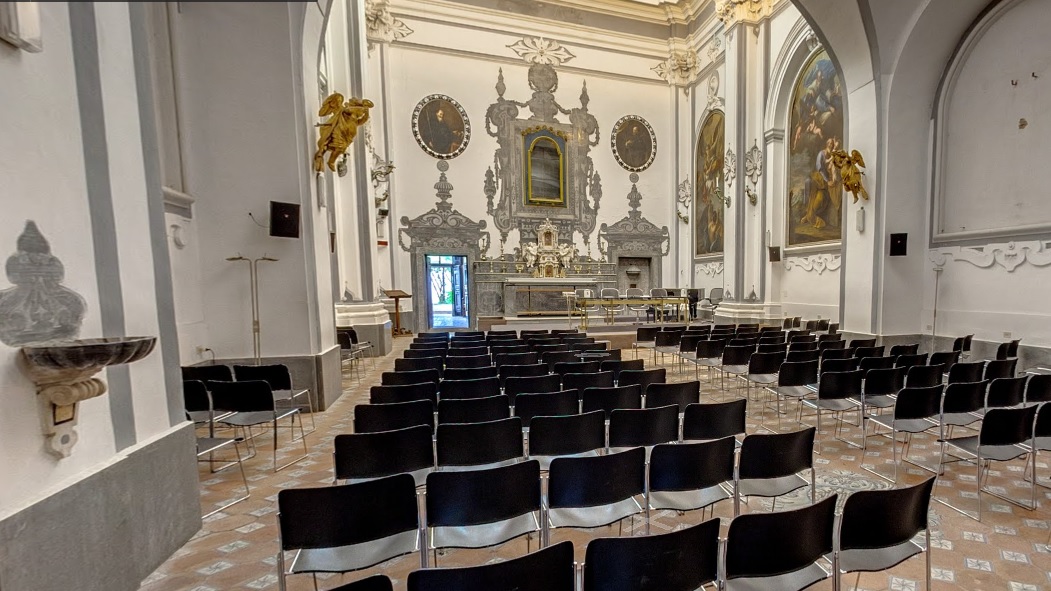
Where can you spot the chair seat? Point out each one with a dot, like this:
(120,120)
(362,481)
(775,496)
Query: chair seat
(1043,443)
(420,476)
(795,391)
(687,500)
(771,487)
(467,467)
(960,419)
(288,394)
(355,556)
(258,417)
(736,369)
(645,345)
(880,401)
(593,516)
(207,445)
(800,579)
(1000,453)
(876,559)
(709,361)
(688,355)
(833,404)
(762,378)
(903,425)
(199,416)
(545,461)
(484,534)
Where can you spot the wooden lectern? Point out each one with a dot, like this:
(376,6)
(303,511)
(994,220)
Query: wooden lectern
(397,295)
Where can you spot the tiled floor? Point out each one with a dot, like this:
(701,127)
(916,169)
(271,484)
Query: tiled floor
(235,549)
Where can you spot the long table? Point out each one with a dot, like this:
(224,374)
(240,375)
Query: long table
(681,303)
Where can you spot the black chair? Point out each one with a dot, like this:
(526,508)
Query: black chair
(594,491)
(868,363)
(502,359)
(643,427)
(1038,389)
(1005,392)
(368,456)
(401,378)
(482,508)
(517,371)
(470,373)
(734,362)
(438,335)
(795,380)
(877,528)
(566,436)
(709,354)
(547,404)
(645,338)
(838,392)
(422,353)
(548,569)
(418,363)
(467,352)
(370,418)
(198,404)
(780,550)
(922,376)
(835,345)
(1008,350)
(770,464)
(944,359)
(531,385)
(534,333)
(689,476)
(965,372)
(468,361)
(482,388)
(681,560)
(1001,368)
(797,356)
(563,367)
(617,366)
(608,399)
(899,350)
(872,351)
(962,404)
(498,348)
(680,394)
(473,410)
(373,583)
(458,444)
(280,381)
(763,368)
(642,377)
(250,403)
(582,381)
(551,358)
(908,361)
(838,364)
(207,373)
(881,386)
(915,410)
(702,422)
(855,343)
(405,393)
(962,344)
(336,529)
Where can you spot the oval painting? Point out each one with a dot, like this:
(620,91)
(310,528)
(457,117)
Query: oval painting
(440,126)
(634,144)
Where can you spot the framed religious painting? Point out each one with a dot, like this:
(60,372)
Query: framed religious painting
(545,152)
(814,208)
(709,201)
(440,126)
(634,143)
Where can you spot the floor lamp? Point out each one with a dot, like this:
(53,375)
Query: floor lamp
(253,277)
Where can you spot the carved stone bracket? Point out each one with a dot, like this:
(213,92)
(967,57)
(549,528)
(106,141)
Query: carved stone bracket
(1008,255)
(685,191)
(731,12)
(817,263)
(753,169)
(680,69)
(711,269)
(729,170)
(715,102)
(381,26)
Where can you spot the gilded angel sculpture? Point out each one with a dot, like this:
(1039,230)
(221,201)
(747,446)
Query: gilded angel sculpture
(338,132)
(848,169)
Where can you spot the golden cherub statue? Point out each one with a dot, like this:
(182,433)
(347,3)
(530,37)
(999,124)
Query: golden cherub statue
(848,169)
(338,132)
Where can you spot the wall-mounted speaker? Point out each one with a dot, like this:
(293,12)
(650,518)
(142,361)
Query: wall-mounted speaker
(775,253)
(899,245)
(284,219)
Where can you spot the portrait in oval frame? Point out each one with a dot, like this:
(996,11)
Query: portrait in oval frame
(634,143)
(441,126)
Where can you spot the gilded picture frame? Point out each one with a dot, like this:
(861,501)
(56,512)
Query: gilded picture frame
(544,152)
(441,126)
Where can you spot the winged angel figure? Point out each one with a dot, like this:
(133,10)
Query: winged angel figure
(339,131)
(848,170)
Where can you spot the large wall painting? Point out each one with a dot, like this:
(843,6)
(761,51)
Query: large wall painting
(709,211)
(815,189)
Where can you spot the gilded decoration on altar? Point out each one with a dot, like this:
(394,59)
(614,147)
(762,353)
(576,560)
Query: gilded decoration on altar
(546,257)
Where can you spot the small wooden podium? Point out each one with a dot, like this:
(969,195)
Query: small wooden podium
(397,295)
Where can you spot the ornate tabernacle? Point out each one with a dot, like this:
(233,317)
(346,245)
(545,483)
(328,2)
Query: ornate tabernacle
(547,257)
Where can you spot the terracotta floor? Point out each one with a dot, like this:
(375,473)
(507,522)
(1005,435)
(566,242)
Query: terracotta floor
(235,549)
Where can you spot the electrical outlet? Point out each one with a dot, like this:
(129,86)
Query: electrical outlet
(1007,335)
(200,350)
(819,316)
(930,327)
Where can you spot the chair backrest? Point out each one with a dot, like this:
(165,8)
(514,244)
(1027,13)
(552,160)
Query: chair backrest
(775,455)
(1007,426)
(772,348)
(566,435)
(840,384)
(195,396)
(1007,350)
(564,367)
(534,332)
(582,381)
(642,377)
(207,373)
(964,397)
(453,362)
(1038,389)
(836,354)
(667,338)
(480,388)
(737,354)
(434,334)
(649,426)
(470,373)
(370,418)
(677,561)
(944,359)
(767,544)
(830,338)
(836,365)
(711,349)
(797,373)
(765,363)
(383,453)
(923,375)
(880,382)
(547,569)
(692,466)
(884,518)
(1005,392)
(680,394)
(832,345)
(418,353)
(912,360)
(609,292)
(502,359)
(430,346)
(399,378)
(550,358)
(803,346)
(797,356)
(596,480)
(343,515)
(688,342)
(715,295)
(373,583)
(404,393)
(918,402)
(505,347)
(415,364)
(658,292)
(474,497)
(464,351)
(608,399)
(869,363)
(516,385)
(855,343)
(547,404)
(246,396)
(458,443)
(1001,368)
(473,410)
(715,420)
(899,350)
(965,372)
(616,365)
(1042,427)
(521,371)
(873,351)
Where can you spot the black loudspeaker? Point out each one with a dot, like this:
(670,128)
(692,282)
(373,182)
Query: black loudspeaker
(284,219)
(899,245)
(775,254)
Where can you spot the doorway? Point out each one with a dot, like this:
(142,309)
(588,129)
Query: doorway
(447,289)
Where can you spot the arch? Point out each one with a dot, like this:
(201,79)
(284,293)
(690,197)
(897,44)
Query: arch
(790,60)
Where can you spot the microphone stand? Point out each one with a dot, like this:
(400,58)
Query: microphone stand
(253,278)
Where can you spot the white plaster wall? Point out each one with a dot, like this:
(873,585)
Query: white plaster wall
(810,294)
(186,287)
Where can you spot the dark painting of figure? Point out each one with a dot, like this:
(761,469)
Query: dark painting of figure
(709,210)
(634,143)
(815,189)
(441,127)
